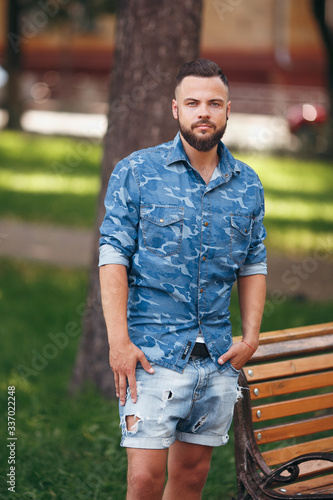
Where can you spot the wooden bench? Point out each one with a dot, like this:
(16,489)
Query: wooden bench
(283,425)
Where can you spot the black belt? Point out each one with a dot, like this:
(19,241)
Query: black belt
(200,349)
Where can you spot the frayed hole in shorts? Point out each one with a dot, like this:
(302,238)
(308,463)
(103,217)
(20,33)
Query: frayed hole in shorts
(132,423)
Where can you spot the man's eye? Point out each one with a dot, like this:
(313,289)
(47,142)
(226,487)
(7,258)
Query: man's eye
(191,103)
(216,104)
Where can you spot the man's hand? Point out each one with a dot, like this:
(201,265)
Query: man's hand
(123,361)
(239,353)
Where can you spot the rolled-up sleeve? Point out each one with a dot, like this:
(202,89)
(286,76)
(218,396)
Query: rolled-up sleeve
(111,255)
(119,229)
(256,260)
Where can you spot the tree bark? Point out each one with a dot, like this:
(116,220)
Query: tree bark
(13,66)
(153,40)
(326,30)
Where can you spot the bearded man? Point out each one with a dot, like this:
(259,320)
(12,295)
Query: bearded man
(183,222)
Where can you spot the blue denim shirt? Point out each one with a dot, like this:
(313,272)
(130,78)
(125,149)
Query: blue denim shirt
(184,243)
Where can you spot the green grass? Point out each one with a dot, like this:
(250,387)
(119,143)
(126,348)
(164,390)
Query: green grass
(299,202)
(56,180)
(51,180)
(68,448)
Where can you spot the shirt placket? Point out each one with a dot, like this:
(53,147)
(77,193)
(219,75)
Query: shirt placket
(204,250)
(206,228)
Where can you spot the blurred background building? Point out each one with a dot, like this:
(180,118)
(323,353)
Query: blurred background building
(271,51)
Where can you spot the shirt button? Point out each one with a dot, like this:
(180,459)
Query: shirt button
(206,224)
(201,290)
(161,220)
(203,258)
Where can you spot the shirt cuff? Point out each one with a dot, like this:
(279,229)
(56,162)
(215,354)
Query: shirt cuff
(111,255)
(251,269)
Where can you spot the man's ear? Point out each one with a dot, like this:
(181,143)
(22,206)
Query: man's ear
(228,109)
(175,109)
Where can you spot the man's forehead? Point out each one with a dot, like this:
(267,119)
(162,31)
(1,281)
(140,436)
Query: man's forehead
(195,86)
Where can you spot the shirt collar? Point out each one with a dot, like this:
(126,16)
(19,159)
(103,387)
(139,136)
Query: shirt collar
(226,165)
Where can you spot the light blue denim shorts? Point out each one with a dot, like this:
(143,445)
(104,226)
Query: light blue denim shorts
(195,406)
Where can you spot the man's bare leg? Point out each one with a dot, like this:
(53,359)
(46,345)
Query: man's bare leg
(146,474)
(188,467)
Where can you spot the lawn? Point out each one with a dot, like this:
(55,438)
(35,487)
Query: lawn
(56,180)
(68,447)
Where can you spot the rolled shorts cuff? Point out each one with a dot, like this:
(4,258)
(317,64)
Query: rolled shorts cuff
(147,443)
(184,437)
(202,439)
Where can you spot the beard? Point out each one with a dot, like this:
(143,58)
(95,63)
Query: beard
(204,142)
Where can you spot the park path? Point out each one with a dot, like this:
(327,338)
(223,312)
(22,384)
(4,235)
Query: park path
(309,277)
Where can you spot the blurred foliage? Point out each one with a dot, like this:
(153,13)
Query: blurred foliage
(82,13)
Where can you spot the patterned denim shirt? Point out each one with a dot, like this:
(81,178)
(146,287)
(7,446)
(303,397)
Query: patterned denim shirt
(184,243)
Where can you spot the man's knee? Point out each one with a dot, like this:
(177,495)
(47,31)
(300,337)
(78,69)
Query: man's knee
(146,472)
(145,483)
(193,472)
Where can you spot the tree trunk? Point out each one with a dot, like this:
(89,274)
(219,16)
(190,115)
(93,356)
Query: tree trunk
(13,66)
(153,40)
(326,29)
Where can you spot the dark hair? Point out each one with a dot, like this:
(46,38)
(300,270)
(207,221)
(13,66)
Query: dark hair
(202,68)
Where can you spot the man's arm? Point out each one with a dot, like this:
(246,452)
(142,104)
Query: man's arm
(251,294)
(124,355)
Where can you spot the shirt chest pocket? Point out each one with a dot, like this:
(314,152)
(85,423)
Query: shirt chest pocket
(240,237)
(162,228)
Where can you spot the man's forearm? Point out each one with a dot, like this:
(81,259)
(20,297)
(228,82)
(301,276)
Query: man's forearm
(114,293)
(251,294)
(124,355)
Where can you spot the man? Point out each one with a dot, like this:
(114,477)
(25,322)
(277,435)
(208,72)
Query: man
(183,222)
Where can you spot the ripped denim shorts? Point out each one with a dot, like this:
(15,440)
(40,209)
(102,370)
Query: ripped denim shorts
(195,406)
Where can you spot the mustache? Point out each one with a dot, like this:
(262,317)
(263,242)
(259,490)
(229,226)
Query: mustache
(203,122)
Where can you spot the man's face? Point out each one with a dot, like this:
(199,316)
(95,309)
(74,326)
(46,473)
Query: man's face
(201,107)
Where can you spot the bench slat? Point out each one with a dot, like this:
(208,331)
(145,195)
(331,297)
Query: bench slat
(323,484)
(296,333)
(315,466)
(293,333)
(292,407)
(281,455)
(290,367)
(290,385)
(304,346)
(294,429)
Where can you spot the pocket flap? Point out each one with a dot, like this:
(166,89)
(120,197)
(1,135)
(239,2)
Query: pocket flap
(242,223)
(162,215)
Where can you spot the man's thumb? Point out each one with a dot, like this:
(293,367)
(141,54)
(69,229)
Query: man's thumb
(222,359)
(147,366)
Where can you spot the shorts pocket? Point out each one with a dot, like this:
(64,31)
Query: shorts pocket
(234,370)
(162,228)
(240,237)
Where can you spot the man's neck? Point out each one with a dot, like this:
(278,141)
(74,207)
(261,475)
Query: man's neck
(204,162)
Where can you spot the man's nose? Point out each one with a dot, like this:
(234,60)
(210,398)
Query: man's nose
(203,111)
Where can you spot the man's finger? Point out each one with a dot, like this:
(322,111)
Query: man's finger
(227,355)
(146,365)
(116,383)
(122,389)
(132,386)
